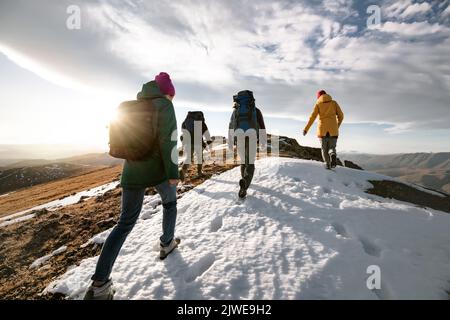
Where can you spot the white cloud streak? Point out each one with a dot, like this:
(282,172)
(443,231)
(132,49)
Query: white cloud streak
(284,51)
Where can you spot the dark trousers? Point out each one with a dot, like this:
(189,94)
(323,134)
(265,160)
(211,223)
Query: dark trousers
(190,160)
(132,201)
(328,148)
(247,171)
(247,162)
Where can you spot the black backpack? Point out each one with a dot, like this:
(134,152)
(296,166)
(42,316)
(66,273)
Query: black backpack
(191,117)
(132,136)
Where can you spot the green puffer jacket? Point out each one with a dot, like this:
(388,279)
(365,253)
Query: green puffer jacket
(159,167)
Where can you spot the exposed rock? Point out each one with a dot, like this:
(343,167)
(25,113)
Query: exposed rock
(106,224)
(352,165)
(40,212)
(82,199)
(289,147)
(403,192)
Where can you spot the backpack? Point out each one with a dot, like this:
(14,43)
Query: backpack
(191,117)
(245,114)
(134,134)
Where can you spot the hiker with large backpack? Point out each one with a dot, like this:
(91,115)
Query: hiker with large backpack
(145,136)
(330,120)
(194,130)
(246,130)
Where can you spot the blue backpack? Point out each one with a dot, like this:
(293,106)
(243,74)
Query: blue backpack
(245,114)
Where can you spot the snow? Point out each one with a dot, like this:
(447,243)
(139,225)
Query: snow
(99,239)
(302,233)
(8,222)
(39,262)
(53,205)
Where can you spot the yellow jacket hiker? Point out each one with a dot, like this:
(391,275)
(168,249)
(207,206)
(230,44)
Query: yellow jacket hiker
(330,117)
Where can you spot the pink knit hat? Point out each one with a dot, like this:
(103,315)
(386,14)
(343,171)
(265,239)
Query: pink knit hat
(320,93)
(165,84)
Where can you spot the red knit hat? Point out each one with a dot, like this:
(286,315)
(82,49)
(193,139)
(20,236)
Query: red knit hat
(320,92)
(165,84)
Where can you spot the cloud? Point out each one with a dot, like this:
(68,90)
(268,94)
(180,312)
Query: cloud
(415,9)
(36,32)
(400,128)
(406,9)
(446,12)
(422,28)
(283,50)
(395,9)
(341,8)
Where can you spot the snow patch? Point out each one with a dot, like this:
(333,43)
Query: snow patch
(39,262)
(17,220)
(94,192)
(302,233)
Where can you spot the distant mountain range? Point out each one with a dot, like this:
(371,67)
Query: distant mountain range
(27,173)
(430,170)
(427,169)
(10,153)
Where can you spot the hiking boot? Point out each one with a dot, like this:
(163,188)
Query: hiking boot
(333,161)
(199,171)
(243,189)
(166,250)
(327,166)
(104,292)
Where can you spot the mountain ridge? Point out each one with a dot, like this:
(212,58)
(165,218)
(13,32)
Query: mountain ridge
(428,169)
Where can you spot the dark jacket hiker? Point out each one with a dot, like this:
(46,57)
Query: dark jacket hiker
(194,142)
(246,116)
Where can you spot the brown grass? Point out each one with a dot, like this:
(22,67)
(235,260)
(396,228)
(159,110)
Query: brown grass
(34,196)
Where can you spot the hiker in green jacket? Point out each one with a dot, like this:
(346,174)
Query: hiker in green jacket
(160,170)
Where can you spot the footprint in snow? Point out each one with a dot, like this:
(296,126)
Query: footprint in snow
(216,224)
(385,291)
(340,229)
(200,267)
(369,247)
(148,214)
(182,209)
(326,190)
(200,191)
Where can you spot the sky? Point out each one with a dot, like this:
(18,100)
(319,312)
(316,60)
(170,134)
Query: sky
(391,77)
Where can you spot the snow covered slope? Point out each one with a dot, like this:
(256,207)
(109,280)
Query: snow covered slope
(302,233)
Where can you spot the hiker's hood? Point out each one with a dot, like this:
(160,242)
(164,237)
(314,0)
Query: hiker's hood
(150,90)
(324,98)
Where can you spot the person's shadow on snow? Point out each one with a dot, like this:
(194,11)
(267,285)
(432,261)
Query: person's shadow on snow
(178,271)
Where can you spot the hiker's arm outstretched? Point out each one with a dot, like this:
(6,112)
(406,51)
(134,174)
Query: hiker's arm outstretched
(340,114)
(205,132)
(312,118)
(262,127)
(260,118)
